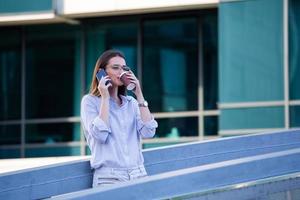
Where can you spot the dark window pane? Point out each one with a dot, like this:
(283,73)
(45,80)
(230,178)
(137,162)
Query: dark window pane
(211,125)
(52,151)
(10,153)
(294,116)
(210,60)
(177,127)
(10,134)
(101,36)
(294,53)
(170,67)
(52,133)
(10,74)
(52,72)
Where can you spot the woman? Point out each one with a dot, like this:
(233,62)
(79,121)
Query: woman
(114,123)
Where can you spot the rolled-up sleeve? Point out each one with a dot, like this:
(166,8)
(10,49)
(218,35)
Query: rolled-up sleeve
(93,125)
(145,129)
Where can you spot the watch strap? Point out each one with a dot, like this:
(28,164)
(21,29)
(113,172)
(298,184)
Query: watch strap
(143,104)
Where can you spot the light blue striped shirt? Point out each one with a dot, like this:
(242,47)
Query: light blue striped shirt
(116,146)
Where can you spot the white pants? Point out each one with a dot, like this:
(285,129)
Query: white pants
(109,176)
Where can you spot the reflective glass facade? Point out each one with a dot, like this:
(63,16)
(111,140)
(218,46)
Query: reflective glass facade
(51,65)
(10,73)
(251,67)
(205,72)
(254,92)
(170,58)
(52,71)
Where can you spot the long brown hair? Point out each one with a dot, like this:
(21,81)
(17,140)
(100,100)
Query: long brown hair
(101,64)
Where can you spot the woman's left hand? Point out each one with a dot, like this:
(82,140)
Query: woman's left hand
(137,91)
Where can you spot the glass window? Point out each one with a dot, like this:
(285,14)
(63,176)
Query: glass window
(87,150)
(211,125)
(170,64)
(52,151)
(210,60)
(251,51)
(251,118)
(294,53)
(177,127)
(101,36)
(10,153)
(294,116)
(52,133)
(52,71)
(10,134)
(10,73)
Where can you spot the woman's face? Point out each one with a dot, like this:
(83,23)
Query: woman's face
(114,69)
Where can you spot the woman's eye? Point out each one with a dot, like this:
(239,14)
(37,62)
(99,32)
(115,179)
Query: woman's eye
(115,67)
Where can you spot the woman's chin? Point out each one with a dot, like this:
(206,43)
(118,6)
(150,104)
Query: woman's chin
(120,83)
(117,83)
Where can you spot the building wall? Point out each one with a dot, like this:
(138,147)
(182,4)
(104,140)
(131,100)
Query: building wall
(205,72)
(258,63)
(46,69)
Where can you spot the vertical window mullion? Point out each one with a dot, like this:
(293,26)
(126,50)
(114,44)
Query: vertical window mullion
(200,79)
(23,97)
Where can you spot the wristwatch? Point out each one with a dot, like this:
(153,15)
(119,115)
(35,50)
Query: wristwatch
(143,104)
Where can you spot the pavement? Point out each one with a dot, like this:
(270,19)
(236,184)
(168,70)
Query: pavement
(10,165)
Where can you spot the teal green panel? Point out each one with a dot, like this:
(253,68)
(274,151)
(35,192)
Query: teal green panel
(294,53)
(10,153)
(251,51)
(14,6)
(252,118)
(76,131)
(52,151)
(87,151)
(294,116)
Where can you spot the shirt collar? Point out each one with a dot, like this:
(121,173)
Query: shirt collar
(125,99)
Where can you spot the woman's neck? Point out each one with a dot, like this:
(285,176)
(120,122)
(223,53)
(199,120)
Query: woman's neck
(113,91)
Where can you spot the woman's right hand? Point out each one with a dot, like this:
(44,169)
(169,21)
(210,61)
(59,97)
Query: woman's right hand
(103,89)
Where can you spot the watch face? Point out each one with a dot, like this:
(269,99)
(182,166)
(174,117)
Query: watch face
(146,103)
